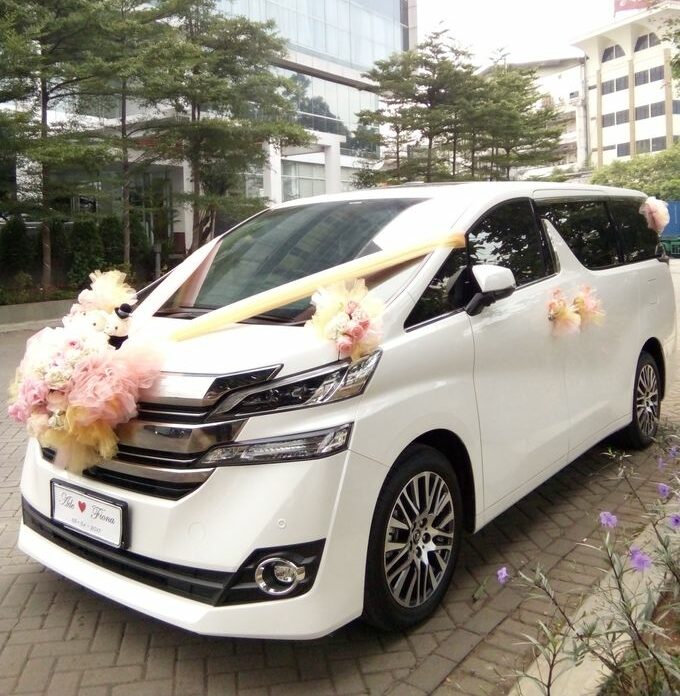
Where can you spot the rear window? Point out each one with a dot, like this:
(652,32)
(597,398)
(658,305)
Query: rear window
(638,242)
(283,245)
(586,228)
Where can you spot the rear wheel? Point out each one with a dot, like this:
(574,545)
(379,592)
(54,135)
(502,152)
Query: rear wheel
(414,541)
(646,404)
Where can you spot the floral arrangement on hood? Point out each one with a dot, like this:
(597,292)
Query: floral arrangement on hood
(656,213)
(347,314)
(73,387)
(564,315)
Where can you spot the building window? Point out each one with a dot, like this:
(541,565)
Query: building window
(676,107)
(612,52)
(656,73)
(302,179)
(623,149)
(653,40)
(642,146)
(642,43)
(608,120)
(659,143)
(622,117)
(642,77)
(641,112)
(657,109)
(621,83)
(606,148)
(608,87)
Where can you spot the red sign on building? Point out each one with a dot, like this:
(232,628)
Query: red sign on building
(622,5)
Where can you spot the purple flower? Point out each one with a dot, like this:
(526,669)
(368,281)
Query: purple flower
(639,559)
(503,575)
(663,489)
(661,463)
(608,520)
(674,452)
(674,521)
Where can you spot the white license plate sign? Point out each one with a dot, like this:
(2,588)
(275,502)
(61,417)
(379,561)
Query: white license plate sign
(88,514)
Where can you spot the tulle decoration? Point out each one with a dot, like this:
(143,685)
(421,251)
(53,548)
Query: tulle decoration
(563,315)
(656,213)
(588,306)
(348,315)
(73,387)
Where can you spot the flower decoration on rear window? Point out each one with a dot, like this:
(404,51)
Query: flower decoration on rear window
(656,213)
(347,314)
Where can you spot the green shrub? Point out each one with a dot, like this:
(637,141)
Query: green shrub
(16,249)
(111,231)
(87,251)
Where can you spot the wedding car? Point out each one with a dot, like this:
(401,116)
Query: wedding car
(299,463)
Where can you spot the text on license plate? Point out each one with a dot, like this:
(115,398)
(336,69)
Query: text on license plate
(88,514)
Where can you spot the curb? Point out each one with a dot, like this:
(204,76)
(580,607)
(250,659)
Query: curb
(35,325)
(586,677)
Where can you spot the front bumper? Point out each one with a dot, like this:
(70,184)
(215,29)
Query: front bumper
(216,529)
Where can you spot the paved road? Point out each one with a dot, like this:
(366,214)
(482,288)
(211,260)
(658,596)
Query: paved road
(58,638)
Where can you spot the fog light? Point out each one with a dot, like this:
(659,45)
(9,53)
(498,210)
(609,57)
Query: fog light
(278,576)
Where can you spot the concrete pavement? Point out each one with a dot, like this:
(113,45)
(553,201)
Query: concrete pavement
(58,638)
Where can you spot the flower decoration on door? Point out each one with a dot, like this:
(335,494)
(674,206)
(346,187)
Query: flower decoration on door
(73,386)
(570,317)
(347,314)
(589,306)
(563,315)
(656,213)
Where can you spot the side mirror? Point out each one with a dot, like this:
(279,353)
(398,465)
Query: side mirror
(495,283)
(661,254)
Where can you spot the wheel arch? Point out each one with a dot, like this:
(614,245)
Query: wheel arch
(653,347)
(452,447)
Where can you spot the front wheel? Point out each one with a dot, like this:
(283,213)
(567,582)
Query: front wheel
(414,541)
(646,404)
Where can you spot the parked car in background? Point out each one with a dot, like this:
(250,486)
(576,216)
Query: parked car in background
(268,488)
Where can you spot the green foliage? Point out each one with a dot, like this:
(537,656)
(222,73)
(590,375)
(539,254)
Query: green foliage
(16,250)
(111,233)
(656,174)
(87,251)
(447,122)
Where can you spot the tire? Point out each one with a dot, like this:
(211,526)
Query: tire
(646,404)
(399,591)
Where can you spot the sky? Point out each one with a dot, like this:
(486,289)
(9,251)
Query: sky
(527,29)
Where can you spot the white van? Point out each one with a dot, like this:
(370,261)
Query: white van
(270,489)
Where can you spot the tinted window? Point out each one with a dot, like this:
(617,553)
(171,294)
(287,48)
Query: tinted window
(659,143)
(509,237)
(657,109)
(622,149)
(621,83)
(637,240)
(656,73)
(642,77)
(622,116)
(587,230)
(641,112)
(608,87)
(449,290)
(608,120)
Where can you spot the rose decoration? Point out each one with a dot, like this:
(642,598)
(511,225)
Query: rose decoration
(73,387)
(563,315)
(348,315)
(588,306)
(656,213)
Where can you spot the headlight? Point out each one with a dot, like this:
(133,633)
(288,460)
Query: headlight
(314,445)
(320,386)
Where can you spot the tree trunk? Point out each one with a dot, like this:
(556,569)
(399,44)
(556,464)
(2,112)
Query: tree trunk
(45,232)
(125,166)
(196,190)
(398,146)
(428,171)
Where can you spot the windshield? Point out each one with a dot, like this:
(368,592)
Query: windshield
(283,245)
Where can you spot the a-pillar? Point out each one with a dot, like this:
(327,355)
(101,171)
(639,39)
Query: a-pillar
(271,176)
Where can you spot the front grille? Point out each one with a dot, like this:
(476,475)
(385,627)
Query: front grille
(206,586)
(154,482)
(167,413)
(213,587)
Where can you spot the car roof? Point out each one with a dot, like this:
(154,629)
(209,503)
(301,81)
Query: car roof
(477,190)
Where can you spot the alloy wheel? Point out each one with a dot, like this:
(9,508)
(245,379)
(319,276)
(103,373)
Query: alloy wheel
(419,539)
(647,400)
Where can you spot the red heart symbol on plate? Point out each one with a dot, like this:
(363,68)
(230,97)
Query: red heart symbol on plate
(81,505)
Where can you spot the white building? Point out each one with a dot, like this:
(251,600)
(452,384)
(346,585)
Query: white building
(631,104)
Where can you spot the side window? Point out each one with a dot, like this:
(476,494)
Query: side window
(509,236)
(637,240)
(586,228)
(448,291)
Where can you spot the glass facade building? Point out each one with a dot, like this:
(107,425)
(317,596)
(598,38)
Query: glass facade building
(331,44)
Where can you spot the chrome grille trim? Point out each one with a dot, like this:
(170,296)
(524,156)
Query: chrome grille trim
(177,438)
(157,473)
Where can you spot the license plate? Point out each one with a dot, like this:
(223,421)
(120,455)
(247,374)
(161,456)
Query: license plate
(94,516)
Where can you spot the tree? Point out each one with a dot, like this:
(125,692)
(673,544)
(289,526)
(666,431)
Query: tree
(229,103)
(657,174)
(16,253)
(43,50)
